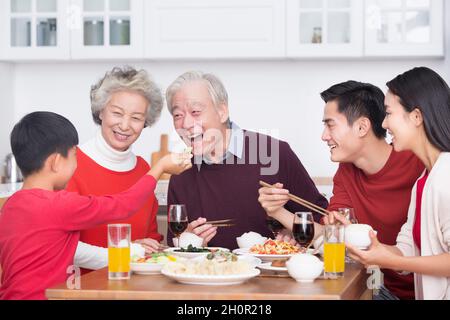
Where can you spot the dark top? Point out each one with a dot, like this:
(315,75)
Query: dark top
(229,190)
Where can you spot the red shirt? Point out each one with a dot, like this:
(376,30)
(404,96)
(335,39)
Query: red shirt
(382,201)
(92,179)
(39,233)
(416,228)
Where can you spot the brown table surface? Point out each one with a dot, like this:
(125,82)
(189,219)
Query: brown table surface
(96,285)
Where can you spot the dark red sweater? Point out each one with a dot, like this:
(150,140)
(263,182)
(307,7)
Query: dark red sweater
(222,191)
(381,200)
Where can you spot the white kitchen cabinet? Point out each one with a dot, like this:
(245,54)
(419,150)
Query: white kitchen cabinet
(107,29)
(324,28)
(215,29)
(34,30)
(404,28)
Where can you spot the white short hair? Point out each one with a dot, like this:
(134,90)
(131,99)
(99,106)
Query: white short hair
(126,79)
(215,87)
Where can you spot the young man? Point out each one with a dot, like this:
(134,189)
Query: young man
(40,224)
(372,178)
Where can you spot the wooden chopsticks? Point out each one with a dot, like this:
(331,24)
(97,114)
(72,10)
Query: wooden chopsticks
(300,201)
(222,223)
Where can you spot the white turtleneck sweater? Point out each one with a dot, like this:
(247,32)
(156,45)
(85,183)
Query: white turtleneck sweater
(88,256)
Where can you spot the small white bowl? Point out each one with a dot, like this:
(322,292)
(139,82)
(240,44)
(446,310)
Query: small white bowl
(357,235)
(304,267)
(249,239)
(186,239)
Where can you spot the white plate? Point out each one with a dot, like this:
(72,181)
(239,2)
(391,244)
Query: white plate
(251,260)
(190,255)
(146,268)
(267,257)
(212,280)
(268,266)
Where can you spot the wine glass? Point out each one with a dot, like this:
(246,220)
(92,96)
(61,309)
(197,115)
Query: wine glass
(303,228)
(274,225)
(177,220)
(349,214)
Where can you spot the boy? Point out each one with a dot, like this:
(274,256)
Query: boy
(40,224)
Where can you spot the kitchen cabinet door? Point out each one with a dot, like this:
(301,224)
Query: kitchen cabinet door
(107,29)
(404,28)
(324,28)
(215,29)
(34,30)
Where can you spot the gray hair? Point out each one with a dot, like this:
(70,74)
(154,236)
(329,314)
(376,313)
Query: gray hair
(126,79)
(215,87)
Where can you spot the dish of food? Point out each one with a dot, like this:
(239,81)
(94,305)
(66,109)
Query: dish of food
(274,247)
(151,264)
(193,253)
(218,268)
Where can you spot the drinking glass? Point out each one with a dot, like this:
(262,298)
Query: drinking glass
(348,213)
(303,228)
(119,240)
(177,219)
(334,251)
(274,225)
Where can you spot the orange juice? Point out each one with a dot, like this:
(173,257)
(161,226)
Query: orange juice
(334,257)
(119,259)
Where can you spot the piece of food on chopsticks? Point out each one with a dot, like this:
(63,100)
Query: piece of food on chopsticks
(275,247)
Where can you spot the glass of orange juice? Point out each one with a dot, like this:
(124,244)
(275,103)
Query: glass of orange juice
(334,251)
(119,240)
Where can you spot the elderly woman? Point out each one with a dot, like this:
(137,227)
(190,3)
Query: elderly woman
(123,103)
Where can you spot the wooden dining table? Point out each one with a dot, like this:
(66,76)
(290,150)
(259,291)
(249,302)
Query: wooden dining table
(266,286)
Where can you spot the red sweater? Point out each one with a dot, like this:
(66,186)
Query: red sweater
(92,179)
(39,233)
(381,200)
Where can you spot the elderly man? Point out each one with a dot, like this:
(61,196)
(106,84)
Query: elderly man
(229,162)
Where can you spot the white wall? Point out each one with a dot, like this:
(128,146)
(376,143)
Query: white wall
(276,95)
(6,107)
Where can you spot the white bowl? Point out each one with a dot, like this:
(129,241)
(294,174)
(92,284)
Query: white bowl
(304,267)
(186,239)
(357,235)
(250,239)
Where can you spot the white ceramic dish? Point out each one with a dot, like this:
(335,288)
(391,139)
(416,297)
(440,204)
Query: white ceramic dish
(212,280)
(146,268)
(304,267)
(249,239)
(191,255)
(268,266)
(266,257)
(357,235)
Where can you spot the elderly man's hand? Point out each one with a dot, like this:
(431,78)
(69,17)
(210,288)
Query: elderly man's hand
(273,199)
(201,228)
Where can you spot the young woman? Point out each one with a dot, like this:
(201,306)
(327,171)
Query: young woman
(418,118)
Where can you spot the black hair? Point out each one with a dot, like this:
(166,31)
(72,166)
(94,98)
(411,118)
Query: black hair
(424,89)
(357,99)
(38,135)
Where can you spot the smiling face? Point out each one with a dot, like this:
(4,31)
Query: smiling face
(123,119)
(342,138)
(200,123)
(401,125)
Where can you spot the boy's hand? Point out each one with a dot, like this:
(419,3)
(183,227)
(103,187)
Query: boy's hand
(172,163)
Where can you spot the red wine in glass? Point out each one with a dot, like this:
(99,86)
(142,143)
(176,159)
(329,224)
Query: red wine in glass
(274,225)
(177,219)
(303,228)
(178,227)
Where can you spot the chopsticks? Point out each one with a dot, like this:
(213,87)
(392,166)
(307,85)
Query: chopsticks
(300,201)
(221,223)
